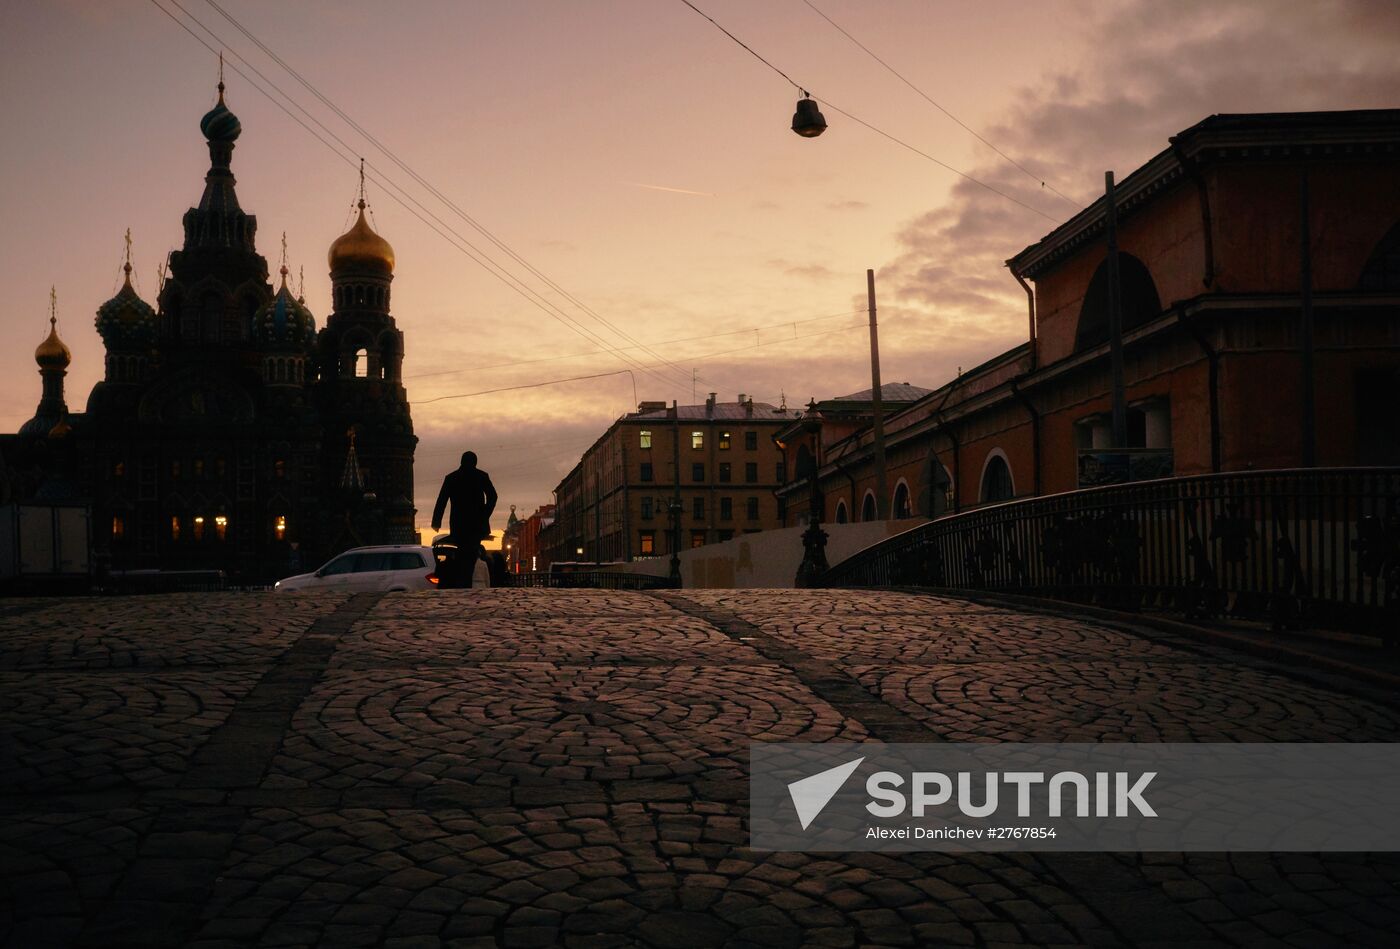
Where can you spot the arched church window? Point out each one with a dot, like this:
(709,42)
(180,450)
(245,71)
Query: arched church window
(361,363)
(211,312)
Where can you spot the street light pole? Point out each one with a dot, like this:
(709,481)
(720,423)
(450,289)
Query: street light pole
(674,510)
(881,478)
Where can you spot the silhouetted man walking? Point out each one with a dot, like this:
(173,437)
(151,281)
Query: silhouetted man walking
(473,499)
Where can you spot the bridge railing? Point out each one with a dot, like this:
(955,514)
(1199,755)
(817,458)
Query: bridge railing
(1320,546)
(592,579)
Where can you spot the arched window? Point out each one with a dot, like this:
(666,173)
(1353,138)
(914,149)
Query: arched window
(1382,270)
(996,479)
(1140,301)
(361,363)
(901,501)
(867,507)
(842,515)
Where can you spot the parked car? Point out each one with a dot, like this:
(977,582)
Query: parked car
(386,568)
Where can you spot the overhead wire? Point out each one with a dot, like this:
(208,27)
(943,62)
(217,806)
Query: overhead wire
(431,189)
(931,101)
(469,250)
(552,382)
(596,352)
(878,131)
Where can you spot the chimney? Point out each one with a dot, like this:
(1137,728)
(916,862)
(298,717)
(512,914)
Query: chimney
(748,408)
(741,398)
(671,412)
(710,406)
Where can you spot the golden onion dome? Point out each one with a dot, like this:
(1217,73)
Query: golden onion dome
(52,353)
(361,249)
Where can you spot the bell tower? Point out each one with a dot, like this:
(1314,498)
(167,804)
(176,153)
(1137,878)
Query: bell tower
(360,387)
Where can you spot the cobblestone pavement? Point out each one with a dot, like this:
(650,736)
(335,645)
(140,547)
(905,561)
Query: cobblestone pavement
(568,768)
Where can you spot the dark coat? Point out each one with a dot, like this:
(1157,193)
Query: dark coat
(473,499)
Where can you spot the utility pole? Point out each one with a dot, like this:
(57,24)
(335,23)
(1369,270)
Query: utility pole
(882,501)
(1305,328)
(1115,316)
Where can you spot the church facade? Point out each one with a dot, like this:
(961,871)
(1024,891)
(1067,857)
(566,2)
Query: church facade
(229,432)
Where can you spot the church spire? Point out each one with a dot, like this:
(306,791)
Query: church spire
(219,221)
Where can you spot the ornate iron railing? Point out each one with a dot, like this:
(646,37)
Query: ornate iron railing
(1320,546)
(593,579)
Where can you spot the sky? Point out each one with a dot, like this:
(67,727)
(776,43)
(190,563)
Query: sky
(633,174)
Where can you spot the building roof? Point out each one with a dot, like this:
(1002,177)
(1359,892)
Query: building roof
(721,411)
(889,392)
(1261,136)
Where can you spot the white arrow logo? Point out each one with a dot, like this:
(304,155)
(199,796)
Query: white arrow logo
(812,794)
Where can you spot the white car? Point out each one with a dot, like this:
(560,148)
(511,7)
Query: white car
(387,568)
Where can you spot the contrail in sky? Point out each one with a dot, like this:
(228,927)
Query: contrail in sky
(702,194)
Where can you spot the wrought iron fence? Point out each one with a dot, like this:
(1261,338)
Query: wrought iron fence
(593,579)
(1320,546)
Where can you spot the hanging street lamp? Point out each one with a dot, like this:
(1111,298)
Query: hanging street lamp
(808,121)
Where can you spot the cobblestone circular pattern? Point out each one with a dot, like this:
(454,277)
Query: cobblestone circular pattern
(92,731)
(1093,701)
(622,639)
(541,722)
(597,876)
(977,637)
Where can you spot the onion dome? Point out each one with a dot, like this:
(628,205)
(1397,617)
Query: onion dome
(284,320)
(219,124)
(52,353)
(126,319)
(361,249)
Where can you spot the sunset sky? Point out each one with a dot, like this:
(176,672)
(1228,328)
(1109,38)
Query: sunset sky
(641,161)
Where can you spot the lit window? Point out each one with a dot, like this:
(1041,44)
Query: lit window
(648,542)
(174,527)
(697,439)
(279,468)
(118,528)
(646,439)
(221,527)
(361,364)
(279,527)
(724,440)
(199,528)
(697,538)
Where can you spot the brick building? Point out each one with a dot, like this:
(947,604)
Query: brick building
(718,461)
(1215,281)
